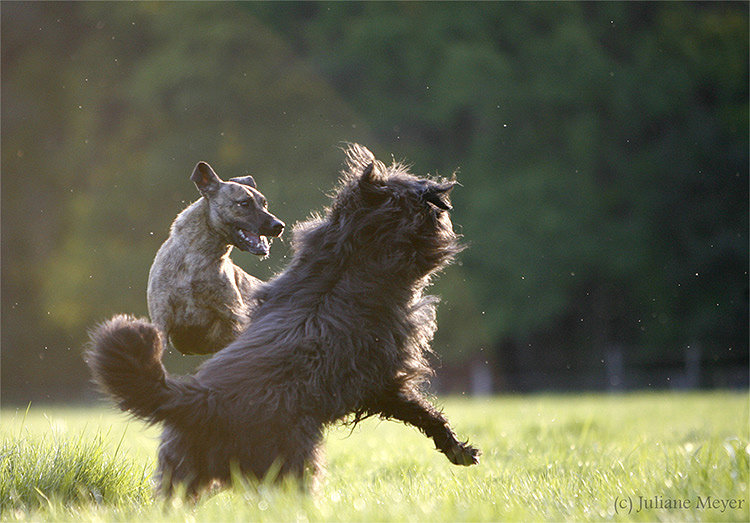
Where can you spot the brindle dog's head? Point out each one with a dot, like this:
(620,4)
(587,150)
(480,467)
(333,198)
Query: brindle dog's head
(237,211)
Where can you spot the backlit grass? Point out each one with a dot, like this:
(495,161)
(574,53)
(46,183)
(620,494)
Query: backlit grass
(546,458)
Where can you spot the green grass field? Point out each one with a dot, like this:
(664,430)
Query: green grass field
(644,457)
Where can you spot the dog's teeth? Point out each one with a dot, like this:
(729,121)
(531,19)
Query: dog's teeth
(250,238)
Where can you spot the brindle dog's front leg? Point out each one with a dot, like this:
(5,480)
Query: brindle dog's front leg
(412,408)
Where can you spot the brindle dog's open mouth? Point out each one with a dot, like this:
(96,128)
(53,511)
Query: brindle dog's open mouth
(252,242)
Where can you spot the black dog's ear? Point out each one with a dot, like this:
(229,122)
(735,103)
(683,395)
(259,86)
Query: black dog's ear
(205,179)
(371,184)
(371,174)
(437,195)
(245,180)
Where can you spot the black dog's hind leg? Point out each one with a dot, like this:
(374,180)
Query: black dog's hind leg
(412,408)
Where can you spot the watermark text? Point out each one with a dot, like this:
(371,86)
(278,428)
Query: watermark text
(636,504)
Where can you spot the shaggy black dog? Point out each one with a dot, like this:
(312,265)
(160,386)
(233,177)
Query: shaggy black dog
(342,331)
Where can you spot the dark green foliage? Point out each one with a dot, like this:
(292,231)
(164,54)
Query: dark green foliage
(602,149)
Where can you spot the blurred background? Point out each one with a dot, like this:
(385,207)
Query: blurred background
(602,150)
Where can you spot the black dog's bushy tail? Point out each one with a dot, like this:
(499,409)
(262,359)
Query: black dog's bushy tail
(125,359)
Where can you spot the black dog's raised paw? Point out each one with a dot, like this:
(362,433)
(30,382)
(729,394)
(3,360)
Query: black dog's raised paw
(463,454)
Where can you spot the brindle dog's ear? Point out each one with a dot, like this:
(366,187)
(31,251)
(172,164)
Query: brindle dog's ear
(205,179)
(437,195)
(371,184)
(245,180)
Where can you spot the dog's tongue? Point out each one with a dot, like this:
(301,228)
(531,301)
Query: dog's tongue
(257,243)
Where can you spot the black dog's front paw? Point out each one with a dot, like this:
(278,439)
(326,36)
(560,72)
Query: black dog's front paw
(463,454)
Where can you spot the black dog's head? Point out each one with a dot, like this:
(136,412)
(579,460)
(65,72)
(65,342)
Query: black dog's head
(238,212)
(399,220)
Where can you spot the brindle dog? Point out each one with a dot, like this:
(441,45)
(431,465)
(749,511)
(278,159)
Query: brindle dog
(197,297)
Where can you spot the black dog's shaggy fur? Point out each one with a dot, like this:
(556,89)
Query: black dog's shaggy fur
(342,331)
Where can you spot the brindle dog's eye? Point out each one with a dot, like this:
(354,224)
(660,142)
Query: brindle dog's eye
(244,203)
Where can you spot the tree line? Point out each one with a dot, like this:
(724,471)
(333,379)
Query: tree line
(601,150)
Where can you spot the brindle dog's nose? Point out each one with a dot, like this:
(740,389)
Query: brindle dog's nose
(275,227)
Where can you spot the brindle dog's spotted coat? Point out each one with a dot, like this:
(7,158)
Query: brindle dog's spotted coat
(197,297)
